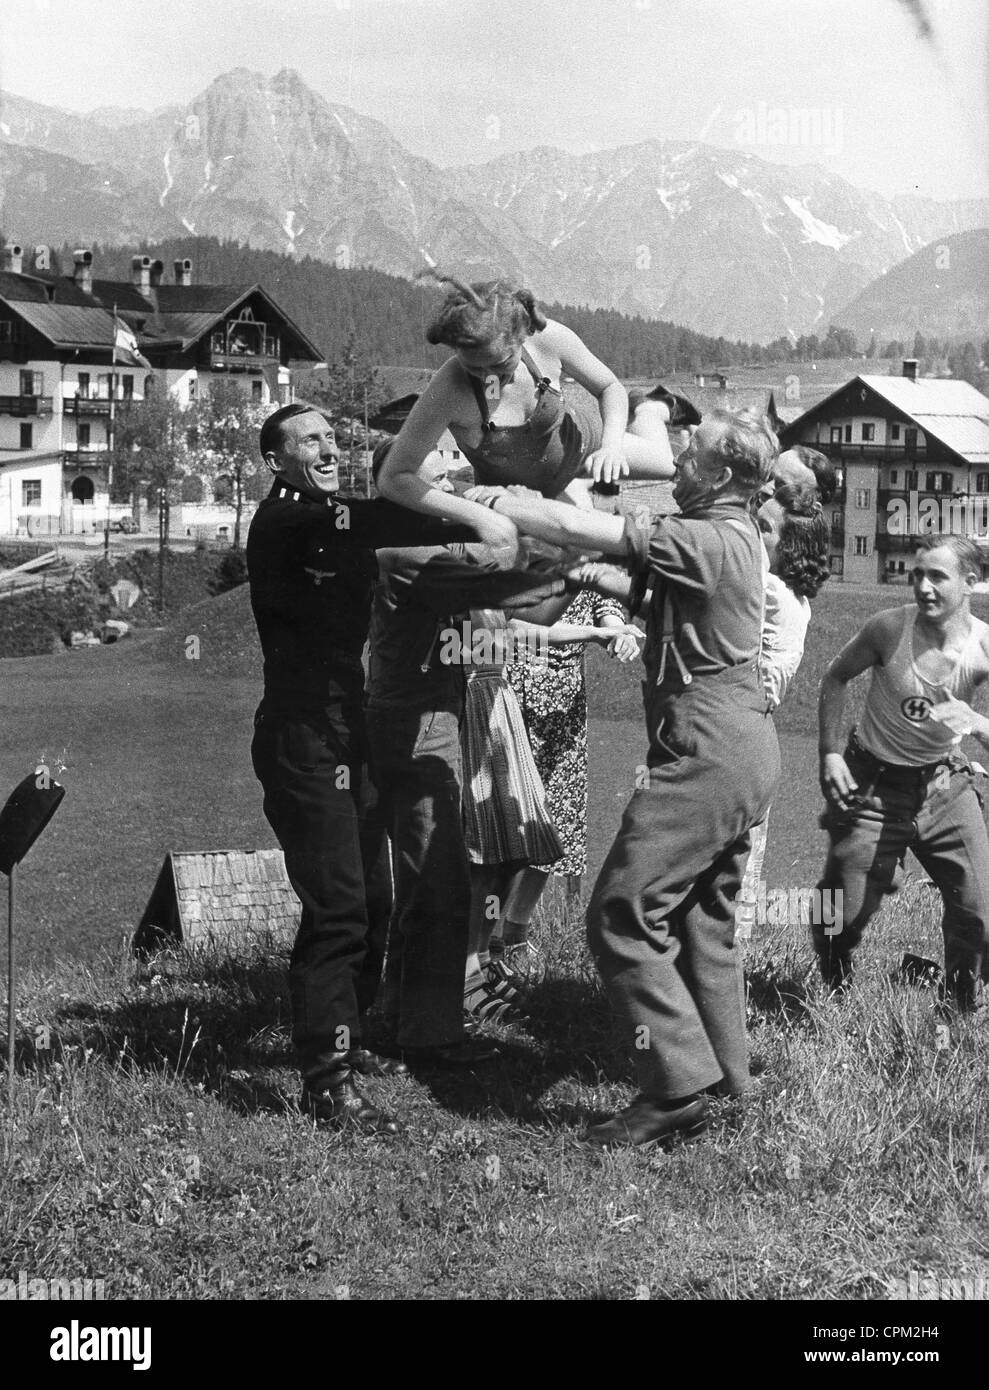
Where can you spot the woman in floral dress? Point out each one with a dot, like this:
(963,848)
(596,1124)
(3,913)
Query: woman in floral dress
(553,699)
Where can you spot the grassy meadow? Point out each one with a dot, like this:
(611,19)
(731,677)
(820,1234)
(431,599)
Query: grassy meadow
(155,1142)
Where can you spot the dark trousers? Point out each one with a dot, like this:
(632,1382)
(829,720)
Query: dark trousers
(417,762)
(661,921)
(322,806)
(936,813)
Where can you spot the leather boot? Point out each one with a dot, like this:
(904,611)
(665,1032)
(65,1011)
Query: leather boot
(374,1064)
(645,1122)
(331,1099)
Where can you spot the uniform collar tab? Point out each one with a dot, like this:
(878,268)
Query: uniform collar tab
(288,493)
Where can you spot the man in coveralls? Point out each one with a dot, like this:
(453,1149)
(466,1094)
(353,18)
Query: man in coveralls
(661,921)
(312,568)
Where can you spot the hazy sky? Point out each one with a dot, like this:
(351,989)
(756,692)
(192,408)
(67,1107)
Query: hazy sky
(461,81)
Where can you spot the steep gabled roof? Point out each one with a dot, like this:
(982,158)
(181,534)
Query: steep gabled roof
(173,316)
(952,412)
(68,326)
(186,312)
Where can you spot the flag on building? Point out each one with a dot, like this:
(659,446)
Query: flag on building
(125,346)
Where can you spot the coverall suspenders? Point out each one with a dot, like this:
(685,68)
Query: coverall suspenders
(668,639)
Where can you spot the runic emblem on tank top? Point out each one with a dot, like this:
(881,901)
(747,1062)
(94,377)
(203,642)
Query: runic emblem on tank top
(916,708)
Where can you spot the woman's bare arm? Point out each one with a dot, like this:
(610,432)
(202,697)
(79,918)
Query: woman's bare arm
(560,523)
(398,479)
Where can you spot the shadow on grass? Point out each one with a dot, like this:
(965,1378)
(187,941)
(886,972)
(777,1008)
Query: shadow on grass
(567,1034)
(779,979)
(224,1025)
(220,1024)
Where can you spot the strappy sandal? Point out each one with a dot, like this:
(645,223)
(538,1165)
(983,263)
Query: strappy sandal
(504,981)
(484,1002)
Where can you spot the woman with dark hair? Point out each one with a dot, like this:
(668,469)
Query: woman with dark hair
(797,539)
(501,398)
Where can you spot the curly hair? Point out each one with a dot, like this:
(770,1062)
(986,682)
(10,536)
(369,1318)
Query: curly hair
(821,467)
(804,540)
(474,315)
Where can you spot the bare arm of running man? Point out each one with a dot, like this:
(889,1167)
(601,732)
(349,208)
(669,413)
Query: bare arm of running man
(871,646)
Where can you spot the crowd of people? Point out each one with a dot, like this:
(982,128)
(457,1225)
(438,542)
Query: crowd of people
(421,808)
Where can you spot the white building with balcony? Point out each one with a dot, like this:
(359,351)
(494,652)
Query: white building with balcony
(914,452)
(61,376)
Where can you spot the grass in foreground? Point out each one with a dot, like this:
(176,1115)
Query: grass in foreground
(157,1145)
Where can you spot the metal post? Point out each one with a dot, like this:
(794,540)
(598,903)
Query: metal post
(109,439)
(367,452)
(162,533)
(11,1007)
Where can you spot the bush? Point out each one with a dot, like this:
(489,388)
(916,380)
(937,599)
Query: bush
(189,576)
(33,624)
(230,572)
(17,552)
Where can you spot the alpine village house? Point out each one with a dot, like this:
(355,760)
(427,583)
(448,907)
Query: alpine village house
(914,456)
(67,341)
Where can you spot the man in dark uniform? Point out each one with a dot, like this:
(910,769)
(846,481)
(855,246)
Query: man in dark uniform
(312,569)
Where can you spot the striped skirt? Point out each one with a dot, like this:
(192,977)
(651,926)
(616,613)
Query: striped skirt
(505,816)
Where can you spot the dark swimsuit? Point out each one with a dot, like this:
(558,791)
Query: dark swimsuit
(547,451)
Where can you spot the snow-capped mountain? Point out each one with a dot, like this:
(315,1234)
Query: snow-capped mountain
(720,240)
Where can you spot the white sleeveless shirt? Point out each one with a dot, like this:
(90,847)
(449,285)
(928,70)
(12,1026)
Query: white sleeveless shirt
(895,725)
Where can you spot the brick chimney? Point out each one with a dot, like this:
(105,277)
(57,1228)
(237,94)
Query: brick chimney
(910,368)
(183,272)
(13,258)
(82,270)
(157,271)
(140,274)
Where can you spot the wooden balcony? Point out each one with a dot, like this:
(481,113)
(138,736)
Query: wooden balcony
(881,453)
(248,350)
(25,405)
(88,405)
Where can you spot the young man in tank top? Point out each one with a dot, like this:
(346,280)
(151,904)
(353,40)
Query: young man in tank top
(902,782)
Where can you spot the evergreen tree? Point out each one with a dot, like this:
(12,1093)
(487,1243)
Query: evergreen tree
(384,317)
(149,452)
(224,428)
(964,364)
(348,390)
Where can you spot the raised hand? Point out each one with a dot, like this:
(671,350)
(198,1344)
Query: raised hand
(606,465)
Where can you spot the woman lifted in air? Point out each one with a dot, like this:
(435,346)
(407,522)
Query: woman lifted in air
(500,396)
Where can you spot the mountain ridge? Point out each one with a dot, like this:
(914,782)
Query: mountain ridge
(722,240)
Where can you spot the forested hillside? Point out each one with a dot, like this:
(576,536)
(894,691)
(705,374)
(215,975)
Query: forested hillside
(389,315)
